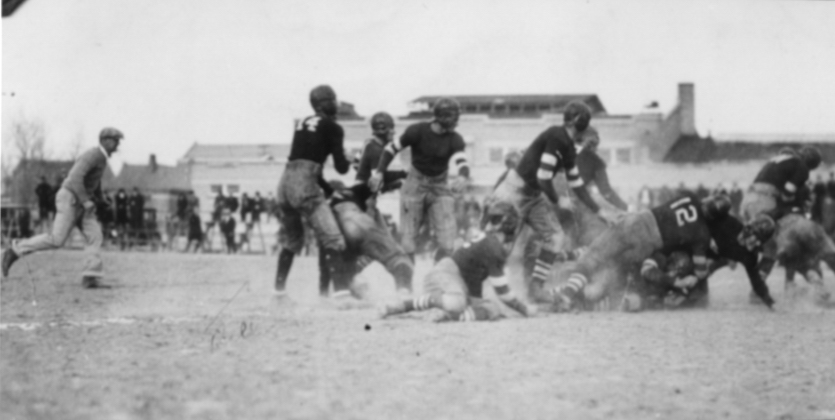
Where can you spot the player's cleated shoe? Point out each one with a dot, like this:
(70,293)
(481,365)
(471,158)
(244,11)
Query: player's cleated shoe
(389,309)
(93,282)
(9,257)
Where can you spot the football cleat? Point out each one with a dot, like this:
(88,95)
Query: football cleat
(9,257)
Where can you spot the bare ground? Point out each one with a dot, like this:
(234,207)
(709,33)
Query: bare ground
(198,337)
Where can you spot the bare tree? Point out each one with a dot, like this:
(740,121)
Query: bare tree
(29,138)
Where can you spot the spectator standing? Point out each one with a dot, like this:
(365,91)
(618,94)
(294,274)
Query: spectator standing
(257,207)
(246,207)
(44,193)
(195,231)
(136,206)
(219,204)
(227,229)
(830,185)
(232,203)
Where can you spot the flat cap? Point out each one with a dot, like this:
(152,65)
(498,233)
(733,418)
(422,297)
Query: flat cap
(110,133)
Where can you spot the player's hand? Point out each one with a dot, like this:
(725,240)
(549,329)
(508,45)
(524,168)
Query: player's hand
(685,282)
(89,206)
(459,184)
(376,181)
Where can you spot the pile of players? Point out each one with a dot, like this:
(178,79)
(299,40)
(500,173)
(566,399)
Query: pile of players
(657,258)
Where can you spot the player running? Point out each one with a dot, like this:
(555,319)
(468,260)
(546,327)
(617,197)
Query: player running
(530,188)
(776,187)
(76,202)
(300,196)
(679,224)
(427,190)
(454,284)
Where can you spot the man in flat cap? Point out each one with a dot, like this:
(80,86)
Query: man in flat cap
(76,207)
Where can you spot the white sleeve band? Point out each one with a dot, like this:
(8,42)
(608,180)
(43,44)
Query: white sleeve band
(574,172)
(576,183)
(549,159)
(458,161)
(498,281)
(544,174)
(790,187)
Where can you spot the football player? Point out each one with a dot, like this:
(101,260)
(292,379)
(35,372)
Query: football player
(669,281)
(382,128)
(300,196)
(366,240)
(427,190)
(679,224)
(776,187)
(454,284)
(529,187)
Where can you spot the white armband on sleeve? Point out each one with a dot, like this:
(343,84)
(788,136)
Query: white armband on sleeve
(791,188)
(458,161)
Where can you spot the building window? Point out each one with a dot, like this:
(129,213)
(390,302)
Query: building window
(624,156)
(233,188)
(496,155)
(544,107)
(606,155)
(514,108)
(499,108)
(470,108)
(216,188)
(484,108)
(530,108)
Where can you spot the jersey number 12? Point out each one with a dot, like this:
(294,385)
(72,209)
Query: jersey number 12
(685,211)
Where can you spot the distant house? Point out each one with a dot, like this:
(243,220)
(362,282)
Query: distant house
(20,187)
(161,184)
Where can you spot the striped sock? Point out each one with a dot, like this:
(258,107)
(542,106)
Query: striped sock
(420,303)
(576,283)
(474,313)
(542,267)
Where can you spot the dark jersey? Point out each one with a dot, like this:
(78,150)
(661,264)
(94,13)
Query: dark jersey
(479,260)
(786,172)
(370,158)
(431,152)
(551,151)
(593,171)
(725,232)
(682,225)
(316,138)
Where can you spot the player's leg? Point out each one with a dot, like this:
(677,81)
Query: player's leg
(539,215)
(441,211)
(443,289)
(411,214)
(68,210)
(93,266)
(291,238)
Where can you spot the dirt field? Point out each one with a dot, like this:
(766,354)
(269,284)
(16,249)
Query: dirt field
(198,337)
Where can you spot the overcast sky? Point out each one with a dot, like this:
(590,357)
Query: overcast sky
(171,73)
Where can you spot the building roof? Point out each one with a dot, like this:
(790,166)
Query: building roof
(775,137)
(514,104)
(236,153)
(151,177)
(695,149)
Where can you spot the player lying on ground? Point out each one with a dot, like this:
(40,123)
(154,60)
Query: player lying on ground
(366,239)
(679,224)
(454,284)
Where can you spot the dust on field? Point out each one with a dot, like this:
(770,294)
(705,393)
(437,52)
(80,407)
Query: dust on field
(198,336)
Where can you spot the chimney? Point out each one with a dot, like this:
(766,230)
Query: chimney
(152,162)
(687,109)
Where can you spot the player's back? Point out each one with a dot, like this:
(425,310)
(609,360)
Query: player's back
(482,258)
(781,169)
(315,138)
(681,221)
